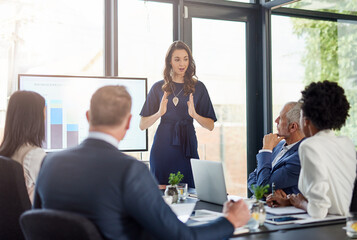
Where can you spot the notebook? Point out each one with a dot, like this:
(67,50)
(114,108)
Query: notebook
(209,181)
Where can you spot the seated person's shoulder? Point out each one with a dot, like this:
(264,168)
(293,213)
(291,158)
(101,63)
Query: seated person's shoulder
(312,142)
(131,160)
(36,152)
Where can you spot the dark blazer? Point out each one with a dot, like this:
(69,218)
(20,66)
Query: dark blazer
(116,192)
(284,174)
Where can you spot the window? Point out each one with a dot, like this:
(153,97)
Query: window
(244,1)
(305,51)
(145,32)
(219,51)
(341,6)
(49,37)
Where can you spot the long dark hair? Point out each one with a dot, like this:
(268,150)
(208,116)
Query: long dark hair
(190,78)
(24,122)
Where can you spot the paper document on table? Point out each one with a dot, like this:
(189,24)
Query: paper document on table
(183,210)
(204,215)
(234,197)
(284,210)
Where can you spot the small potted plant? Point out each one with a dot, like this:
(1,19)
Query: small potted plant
(171,190)
(258,210)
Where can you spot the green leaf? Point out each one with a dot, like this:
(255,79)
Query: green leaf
(174,179)
(259,191)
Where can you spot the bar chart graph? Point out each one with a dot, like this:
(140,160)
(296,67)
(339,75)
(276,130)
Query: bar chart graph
(67,101)
(61,126)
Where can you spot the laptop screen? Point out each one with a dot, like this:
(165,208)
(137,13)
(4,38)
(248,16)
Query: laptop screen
(209,181)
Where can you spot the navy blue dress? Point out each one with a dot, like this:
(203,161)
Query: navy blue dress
(175,141)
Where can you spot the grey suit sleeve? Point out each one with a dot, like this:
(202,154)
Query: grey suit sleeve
(143,201)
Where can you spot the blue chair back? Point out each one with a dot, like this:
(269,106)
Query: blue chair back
(45,224)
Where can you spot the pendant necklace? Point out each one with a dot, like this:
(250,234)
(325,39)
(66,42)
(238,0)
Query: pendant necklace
(175,100)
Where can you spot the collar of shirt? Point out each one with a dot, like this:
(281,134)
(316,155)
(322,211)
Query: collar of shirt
(288,147)
(105,137)
(283,150)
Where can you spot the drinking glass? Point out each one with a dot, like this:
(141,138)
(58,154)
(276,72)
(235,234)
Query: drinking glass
(182,191)
(351,225)
(258,215)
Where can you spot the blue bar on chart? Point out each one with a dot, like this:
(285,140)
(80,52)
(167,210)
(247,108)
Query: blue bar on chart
(44,143)
(56,112)
(72,135)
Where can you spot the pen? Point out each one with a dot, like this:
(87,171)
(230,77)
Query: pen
(273,189)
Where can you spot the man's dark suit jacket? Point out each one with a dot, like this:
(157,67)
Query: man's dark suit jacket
(284,174)
(116,192)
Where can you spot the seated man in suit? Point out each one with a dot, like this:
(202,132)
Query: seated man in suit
(114,190)
(278,161)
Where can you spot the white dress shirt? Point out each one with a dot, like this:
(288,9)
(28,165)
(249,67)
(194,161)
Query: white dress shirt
(283,150)
(328,171)
(105,137)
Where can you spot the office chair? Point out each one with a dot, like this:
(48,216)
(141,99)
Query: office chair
(14,199)
(44,224)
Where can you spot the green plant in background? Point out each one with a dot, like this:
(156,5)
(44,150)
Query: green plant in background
(330,55)
(259,191)
(174,179)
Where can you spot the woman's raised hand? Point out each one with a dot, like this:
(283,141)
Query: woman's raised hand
(191,107)
(163,104)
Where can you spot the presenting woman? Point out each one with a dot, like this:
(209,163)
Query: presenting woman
(178,100)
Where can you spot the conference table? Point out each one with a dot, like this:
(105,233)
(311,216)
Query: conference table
(329,230)
(313,231)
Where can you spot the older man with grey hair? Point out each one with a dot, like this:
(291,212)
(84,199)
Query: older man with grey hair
(278,161)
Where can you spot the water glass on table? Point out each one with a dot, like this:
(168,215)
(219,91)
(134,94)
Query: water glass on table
(351,225)
(182,191)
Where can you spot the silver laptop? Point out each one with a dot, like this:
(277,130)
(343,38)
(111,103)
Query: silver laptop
(209,181)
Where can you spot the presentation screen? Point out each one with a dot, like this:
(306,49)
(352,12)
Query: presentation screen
(68,99)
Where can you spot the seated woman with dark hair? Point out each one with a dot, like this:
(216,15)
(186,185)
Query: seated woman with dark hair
(328,162)
(23,134)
